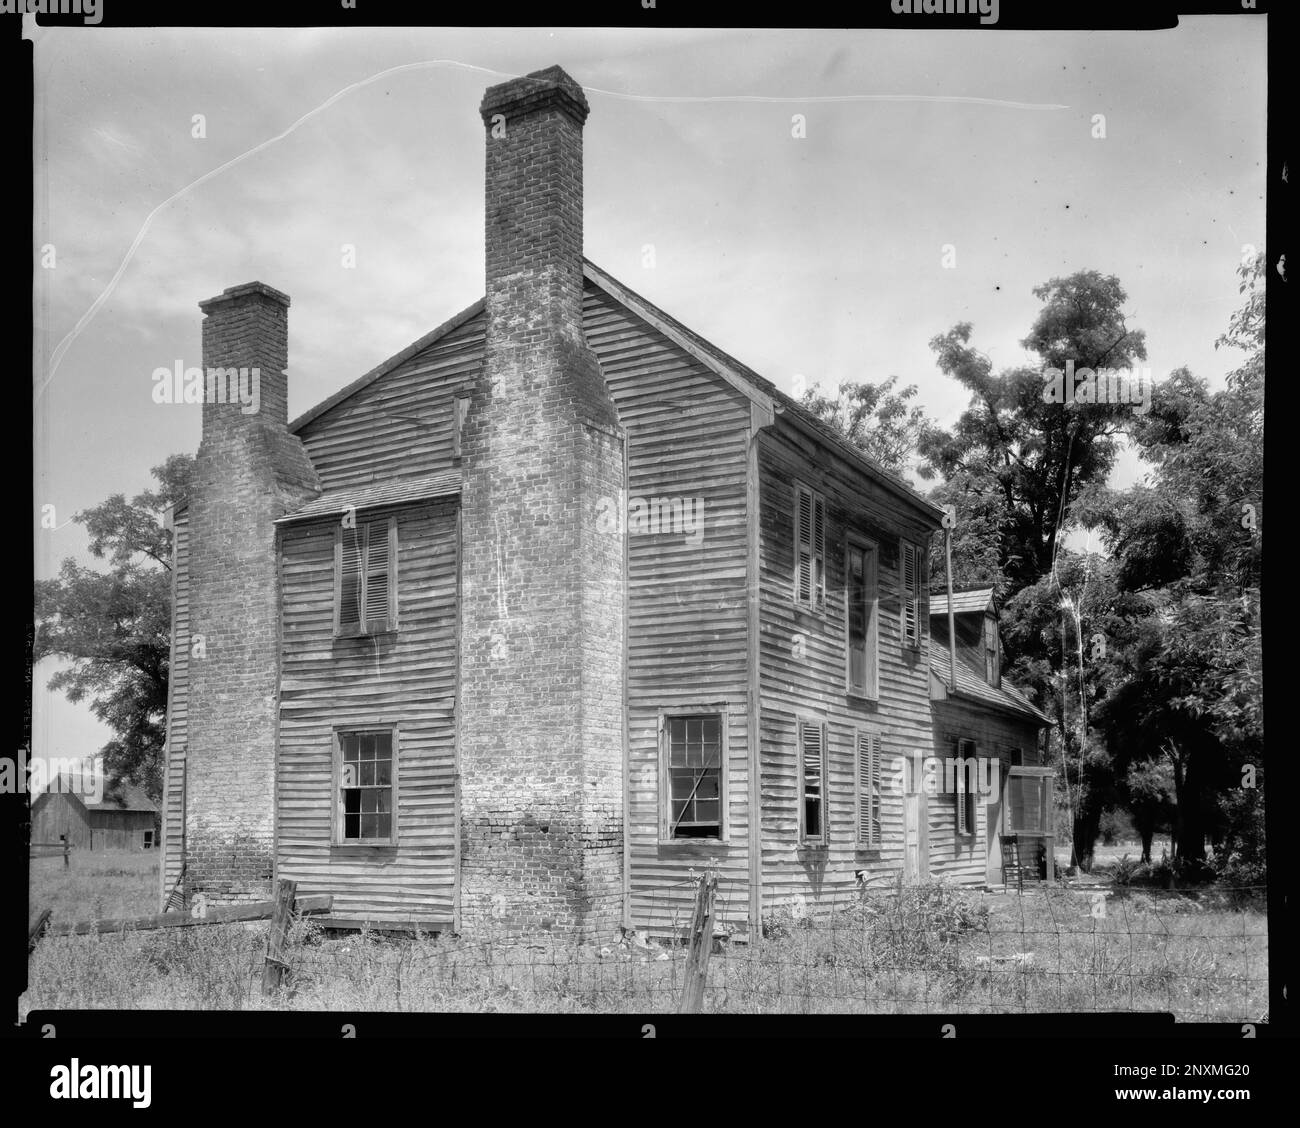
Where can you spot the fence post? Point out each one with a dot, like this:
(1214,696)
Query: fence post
(274,969)
(64,839)
(701,945)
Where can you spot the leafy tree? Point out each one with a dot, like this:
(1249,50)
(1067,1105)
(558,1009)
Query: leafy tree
(880,421)
(115,626)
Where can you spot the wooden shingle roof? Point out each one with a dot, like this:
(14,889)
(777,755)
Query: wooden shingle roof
(332,503)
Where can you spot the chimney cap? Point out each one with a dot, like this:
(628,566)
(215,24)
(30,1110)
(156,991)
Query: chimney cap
(536,91)
(232,293)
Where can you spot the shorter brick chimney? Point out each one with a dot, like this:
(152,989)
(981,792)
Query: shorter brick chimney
(249,471)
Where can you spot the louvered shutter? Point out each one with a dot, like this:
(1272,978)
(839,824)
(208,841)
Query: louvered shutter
(963,822)
(803,537)
(869,789)
(813,783)
(377,577)
(350,578)
(819,550)
(910,596)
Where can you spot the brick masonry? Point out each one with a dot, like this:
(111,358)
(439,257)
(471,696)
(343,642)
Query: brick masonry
(249,471)
(541,758)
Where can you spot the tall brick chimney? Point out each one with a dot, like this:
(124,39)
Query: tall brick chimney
(541,759)
(249,471)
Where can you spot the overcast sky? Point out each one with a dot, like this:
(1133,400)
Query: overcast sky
(818,257)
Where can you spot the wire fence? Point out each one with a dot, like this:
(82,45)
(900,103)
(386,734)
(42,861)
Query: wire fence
(912,949)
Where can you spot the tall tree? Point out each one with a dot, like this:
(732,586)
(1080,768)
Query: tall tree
(114,626)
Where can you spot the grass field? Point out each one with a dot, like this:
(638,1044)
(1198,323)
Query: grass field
(930,949)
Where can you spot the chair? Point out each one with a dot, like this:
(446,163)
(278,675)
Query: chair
(1013,866)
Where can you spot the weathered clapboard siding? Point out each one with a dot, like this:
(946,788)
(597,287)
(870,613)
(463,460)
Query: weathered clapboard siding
(401,425)
(803,673)
(178,687)
(687,431)
(408,679)
(964,858)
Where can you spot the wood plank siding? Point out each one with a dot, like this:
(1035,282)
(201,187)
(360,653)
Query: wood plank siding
(406,679)
(803,672)
(973,858)
(687,435)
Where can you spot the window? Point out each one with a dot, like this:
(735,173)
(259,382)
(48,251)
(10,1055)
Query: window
(860,658)
(812,782)
(867,776)
(992,672)
(909,593)
(695,756)
(148,839)
(966,779)
(1028,801)
(365,578)
(367,788)
(810,548)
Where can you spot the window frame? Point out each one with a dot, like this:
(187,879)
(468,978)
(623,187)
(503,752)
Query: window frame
(823,838)
(361,628)
(870,690)
(1044,775)
(875,754)
(813,600)
(338,824)
(666,837)
(992,652)
(913,596)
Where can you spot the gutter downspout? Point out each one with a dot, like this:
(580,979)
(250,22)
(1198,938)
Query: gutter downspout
(952,620)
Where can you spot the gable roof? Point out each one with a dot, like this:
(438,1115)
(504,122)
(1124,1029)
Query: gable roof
(963,602)
(766,397)
(971,686)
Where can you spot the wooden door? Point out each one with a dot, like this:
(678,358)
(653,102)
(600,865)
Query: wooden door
(916,859)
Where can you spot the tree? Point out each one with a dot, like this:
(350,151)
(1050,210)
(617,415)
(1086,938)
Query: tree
(1037,454)
(875,418)
(115,626)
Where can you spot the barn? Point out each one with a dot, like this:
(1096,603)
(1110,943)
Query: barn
(125,818)
(554,608)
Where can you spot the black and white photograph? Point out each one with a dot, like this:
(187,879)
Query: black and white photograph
(650,521)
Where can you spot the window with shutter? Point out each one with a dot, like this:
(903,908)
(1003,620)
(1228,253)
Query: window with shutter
(868,789)
(860,620)
(992,672)
(810,548)
(909,566)
(812,780)
(365,569)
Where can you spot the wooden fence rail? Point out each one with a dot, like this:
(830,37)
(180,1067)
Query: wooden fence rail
(225,914)
(62,844)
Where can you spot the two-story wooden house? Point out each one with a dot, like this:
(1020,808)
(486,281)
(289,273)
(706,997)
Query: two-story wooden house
(554,607)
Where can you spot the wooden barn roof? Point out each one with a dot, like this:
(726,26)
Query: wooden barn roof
(118,795)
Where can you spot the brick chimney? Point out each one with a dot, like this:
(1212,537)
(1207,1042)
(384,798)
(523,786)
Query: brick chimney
(541,754)
(249,471)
